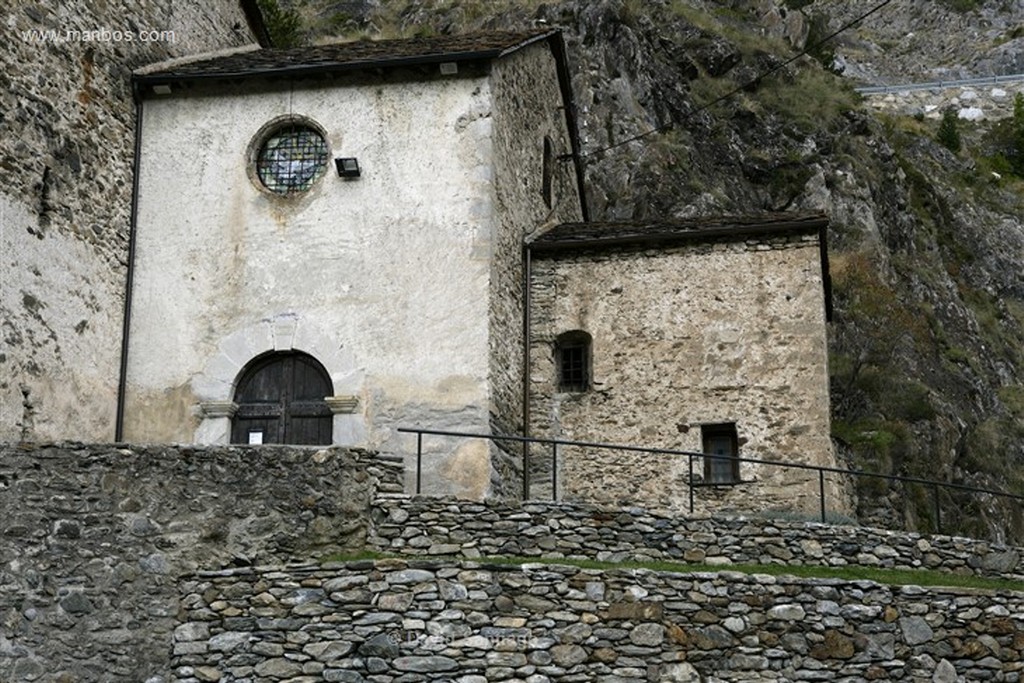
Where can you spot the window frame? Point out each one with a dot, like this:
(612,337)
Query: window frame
(716,430)
(573,376)
(276,128)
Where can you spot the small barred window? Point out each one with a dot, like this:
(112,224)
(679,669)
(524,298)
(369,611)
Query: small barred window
(291,159)
(572,358)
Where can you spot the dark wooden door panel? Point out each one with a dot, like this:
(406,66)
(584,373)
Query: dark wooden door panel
(268,429)
(309,381)
(282,397)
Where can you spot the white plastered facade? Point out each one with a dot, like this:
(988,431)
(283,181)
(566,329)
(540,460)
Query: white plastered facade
(386,280)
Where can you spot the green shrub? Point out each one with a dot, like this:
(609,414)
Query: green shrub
(962,5)
(283,25)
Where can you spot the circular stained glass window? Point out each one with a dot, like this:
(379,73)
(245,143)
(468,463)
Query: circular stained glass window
(291,159)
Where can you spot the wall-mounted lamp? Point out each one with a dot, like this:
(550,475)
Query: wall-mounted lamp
(348,167)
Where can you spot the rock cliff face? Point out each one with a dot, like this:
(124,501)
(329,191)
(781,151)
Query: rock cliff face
(927,347)
(67,122)
(911,40)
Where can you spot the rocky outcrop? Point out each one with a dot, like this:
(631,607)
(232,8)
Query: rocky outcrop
(914,41)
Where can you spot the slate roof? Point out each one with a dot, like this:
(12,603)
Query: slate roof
(568,236)
(336,57)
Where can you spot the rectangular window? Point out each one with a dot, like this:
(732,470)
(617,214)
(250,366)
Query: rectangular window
(721,445)
(572,364)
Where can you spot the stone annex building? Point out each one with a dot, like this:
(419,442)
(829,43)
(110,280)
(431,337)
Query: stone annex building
(321,245)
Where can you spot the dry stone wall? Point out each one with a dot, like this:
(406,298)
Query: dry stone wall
(94,539)
(389,621)
(159,564)
(438,527)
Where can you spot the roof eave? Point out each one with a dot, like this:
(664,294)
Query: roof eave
(667,237)
(301,70)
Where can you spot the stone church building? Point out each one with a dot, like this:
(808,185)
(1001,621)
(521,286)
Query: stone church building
(329,243)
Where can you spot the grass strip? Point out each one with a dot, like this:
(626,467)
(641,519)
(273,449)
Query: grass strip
(892,577)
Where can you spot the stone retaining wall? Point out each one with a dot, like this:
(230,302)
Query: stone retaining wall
(94,538)
(974,103)
(438,526)
(468,622)
(106,552)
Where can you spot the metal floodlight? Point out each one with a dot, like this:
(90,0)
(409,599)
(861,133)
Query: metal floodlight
(348,167)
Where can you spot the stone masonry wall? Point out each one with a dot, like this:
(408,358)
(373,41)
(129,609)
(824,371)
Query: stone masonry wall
(95,537)
(212,564)
(527,108)
(724,331)
(67,130)
(439,527)
(389,621)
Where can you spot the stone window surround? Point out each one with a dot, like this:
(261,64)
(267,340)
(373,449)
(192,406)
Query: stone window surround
(266,132)
(214,386)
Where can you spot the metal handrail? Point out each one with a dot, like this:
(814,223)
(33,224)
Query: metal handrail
(938,85)
(690,455)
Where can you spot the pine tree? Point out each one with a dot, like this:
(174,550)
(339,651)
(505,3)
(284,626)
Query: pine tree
(1016,154)
(949,133)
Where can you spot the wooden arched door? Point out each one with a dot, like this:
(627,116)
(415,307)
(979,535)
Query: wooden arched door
(280,399)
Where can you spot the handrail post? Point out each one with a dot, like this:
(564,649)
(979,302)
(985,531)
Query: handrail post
(554,471)
(938,511)
(419,461)
(526,471)
(821,492)
(690,467)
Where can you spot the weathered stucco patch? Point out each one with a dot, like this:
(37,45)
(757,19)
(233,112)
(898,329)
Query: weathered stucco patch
(168,416)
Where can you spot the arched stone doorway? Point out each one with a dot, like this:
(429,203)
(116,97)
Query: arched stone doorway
(281,399)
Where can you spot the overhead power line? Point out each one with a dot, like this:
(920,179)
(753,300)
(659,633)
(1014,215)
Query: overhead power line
(745,85)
